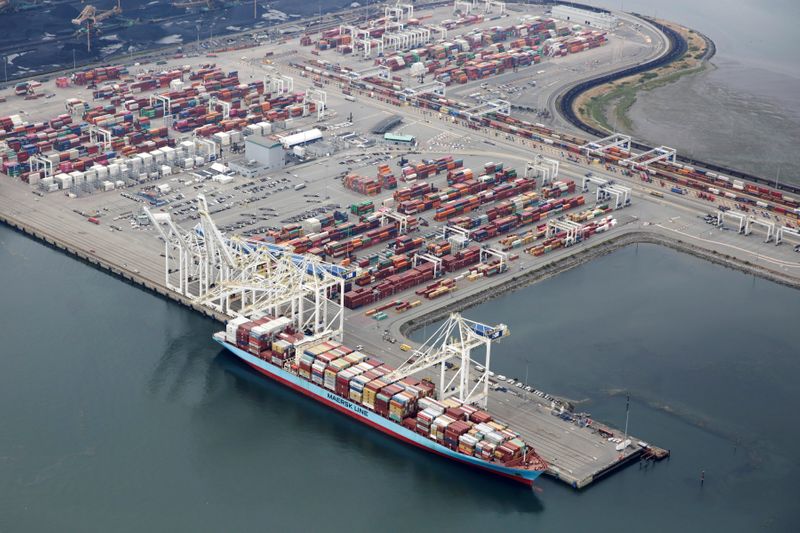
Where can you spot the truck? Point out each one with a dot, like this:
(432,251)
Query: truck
(300,186)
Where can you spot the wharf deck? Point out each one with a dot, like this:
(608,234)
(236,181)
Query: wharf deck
(576,455)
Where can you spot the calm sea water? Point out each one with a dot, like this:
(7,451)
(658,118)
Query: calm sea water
(119,413)
(744,112)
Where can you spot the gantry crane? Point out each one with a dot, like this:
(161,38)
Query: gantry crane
(91,18)
(455,340)
(239,277)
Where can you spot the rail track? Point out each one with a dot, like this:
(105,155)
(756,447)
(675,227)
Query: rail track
(677,48)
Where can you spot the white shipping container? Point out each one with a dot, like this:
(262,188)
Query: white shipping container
(188,148)
(113,170)
(266,127)
(312,225)
(135,164)
(147,161)
(199,161)
(232,326)
(166,170)
(169,153)
(107,186)
(222,178)
(188,162)
(64,181)
(222,138)
(120,184)
(102,171)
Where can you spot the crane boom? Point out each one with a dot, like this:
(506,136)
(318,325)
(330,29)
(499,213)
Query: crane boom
(455,340)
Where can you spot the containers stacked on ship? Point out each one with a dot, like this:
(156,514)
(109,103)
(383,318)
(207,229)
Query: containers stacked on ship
(332,370)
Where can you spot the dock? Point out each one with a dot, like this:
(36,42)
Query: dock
(577,456)
(104,228)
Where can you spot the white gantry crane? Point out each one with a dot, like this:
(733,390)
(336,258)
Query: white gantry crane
(238,277)
(184,253)
(489,6)
(275,82)
(319,98)
(542,168)
(454,341)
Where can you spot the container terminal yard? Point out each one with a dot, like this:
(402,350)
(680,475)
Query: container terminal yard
(347,185)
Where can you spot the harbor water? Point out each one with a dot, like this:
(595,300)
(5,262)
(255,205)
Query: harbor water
(119,412)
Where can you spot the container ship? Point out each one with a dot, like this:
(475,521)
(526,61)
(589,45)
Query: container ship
(349,381)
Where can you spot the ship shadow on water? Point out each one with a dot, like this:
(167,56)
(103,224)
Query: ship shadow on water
(469,487)
(183,371)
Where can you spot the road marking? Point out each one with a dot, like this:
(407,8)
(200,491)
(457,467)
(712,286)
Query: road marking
(767,258)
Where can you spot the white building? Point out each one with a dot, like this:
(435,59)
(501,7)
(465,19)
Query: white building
(267,152)
(602,20)
(290,141)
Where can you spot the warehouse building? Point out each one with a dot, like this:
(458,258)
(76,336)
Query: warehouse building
(268,152)
(599,18)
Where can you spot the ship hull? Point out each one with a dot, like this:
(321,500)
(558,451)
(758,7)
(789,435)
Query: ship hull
(375,421)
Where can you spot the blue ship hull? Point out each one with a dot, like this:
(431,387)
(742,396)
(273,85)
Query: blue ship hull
(374,420)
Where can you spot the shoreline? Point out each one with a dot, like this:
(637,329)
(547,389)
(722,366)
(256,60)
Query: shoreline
(608,103)
(521,281)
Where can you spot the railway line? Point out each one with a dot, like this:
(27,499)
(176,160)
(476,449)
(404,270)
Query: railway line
(677,48)
(702,179)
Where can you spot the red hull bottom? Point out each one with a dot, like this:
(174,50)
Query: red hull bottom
(527,483)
